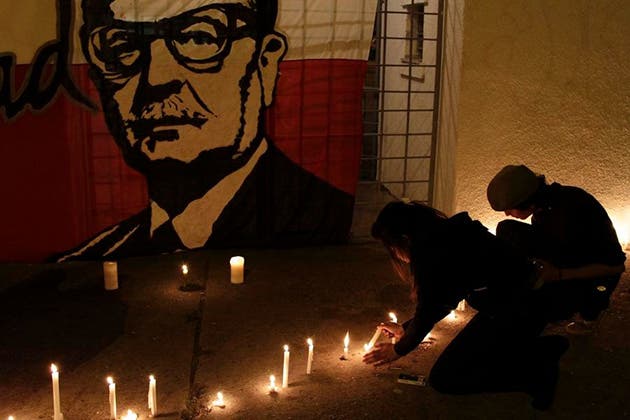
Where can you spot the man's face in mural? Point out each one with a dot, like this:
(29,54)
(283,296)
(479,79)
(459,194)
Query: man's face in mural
(179,82)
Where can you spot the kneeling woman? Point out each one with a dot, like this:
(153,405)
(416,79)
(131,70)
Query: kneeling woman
(450,259)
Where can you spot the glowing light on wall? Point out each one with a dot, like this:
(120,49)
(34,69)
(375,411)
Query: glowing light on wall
(621,221)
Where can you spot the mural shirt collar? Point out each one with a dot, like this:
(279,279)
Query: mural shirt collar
(194,225)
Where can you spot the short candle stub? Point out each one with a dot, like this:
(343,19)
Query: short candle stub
(110,275)
(273,389)
(219,402)
(189,284)
(237,270)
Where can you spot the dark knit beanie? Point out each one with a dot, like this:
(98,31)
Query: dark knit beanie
(513,185)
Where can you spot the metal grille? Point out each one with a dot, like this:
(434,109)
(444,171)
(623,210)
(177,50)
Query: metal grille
(400,108)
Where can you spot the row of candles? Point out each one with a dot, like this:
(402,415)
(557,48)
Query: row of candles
(237,272)
(220,402)
(113,409)
(152,394)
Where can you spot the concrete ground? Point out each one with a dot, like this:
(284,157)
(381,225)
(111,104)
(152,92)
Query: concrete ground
(229,338)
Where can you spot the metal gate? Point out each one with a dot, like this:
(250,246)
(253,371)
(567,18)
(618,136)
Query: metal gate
(400,108)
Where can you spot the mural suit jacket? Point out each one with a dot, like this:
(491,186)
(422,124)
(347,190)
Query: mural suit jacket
(280,204)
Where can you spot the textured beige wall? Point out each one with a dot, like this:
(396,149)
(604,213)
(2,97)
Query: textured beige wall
(546,83)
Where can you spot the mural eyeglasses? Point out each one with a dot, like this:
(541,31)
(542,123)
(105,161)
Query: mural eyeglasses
(199,40)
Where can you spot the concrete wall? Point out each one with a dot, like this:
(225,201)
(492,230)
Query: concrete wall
(546,83)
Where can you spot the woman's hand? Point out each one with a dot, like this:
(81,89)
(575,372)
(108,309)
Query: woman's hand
(392,329)
(381,354)
(546,273)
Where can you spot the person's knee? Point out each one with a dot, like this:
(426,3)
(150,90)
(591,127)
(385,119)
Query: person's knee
(442,379)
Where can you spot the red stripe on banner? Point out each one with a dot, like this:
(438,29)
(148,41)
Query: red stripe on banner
(64,179)
(316,118)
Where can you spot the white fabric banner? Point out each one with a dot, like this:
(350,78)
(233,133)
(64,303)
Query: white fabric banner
(316,29)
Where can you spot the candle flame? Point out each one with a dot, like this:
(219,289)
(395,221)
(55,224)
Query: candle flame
(151,378)
(309,341)
(110,380)
(184,269)
(130,416)
(346,339)
(53,368)
(11,418)
(366,347)
(286,347)
(393,317)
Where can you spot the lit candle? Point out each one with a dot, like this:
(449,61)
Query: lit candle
(11,418)
(346,342)
(152,397)
(237,270)
(219,402)
(393,318)
(130,416)
(112,397)
(184,269)
(272,384)
(285,367)
(309,361)
(110,273)
(57,415)
(377,333)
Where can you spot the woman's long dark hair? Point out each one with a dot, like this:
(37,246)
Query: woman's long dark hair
(411,227)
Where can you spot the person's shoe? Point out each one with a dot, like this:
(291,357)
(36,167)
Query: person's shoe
(580,327)
(550,349)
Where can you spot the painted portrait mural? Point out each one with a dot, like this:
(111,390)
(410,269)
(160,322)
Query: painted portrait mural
(191,92)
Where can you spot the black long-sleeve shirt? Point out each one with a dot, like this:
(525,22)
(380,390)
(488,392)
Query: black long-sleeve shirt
(464,261)
(573,229)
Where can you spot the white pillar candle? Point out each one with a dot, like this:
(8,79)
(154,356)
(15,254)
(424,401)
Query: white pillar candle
(112,397)
(375,337)
(57,415)
(285,367)
(152,396)
(110,273)
(346,343)
(309,361)
(237,269)
(393,318)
